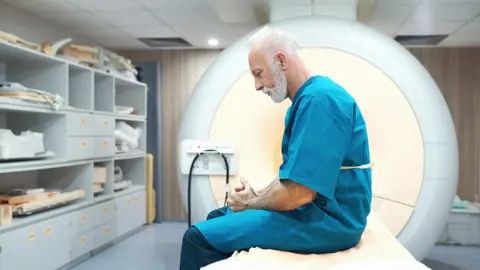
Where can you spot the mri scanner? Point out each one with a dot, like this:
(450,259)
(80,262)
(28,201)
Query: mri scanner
(411,132)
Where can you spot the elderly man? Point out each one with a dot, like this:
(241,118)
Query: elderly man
(320,201)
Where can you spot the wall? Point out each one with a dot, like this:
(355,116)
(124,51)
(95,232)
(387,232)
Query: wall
(454,70)
(32,28)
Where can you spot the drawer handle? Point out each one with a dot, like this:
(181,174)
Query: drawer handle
(83,218)
(84,121)
(83,241)
(48,231)
(105,123)
(128,201)
(83,144)
(105,144)
(32,236)
(106,230)
(105,210)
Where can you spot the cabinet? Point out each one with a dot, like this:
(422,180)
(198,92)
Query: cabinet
(80,131)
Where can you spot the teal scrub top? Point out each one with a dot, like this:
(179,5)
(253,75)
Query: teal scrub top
(324,130)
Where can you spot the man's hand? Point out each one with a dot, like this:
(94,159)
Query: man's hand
(239,198)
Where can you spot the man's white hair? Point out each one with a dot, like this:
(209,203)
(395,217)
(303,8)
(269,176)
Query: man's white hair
(271,40)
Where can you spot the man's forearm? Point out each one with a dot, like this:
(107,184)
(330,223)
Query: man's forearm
(280,196)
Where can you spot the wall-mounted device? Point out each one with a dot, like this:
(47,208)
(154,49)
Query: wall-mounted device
(210,161)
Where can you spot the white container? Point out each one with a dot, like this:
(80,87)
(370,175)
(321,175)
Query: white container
(463,227)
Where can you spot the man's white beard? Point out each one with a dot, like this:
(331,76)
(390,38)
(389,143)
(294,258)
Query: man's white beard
(279,93)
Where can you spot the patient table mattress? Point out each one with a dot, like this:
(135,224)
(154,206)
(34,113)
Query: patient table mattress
(377,249)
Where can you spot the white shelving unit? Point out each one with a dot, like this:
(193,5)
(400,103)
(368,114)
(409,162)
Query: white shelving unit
(82,136)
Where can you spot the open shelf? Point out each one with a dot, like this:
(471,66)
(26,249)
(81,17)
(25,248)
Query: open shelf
(132,173)
(102,181)
(81,88)
(131,95)
(52,128)
(104,93)
(66,185)
(51,77)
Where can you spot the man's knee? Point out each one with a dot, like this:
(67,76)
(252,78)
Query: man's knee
(191,235)
(219,212)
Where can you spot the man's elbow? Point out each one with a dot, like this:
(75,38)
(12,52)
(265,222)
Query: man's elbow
(300,194)
(305,196)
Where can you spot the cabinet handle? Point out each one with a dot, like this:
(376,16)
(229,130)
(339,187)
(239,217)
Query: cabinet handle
(105,144)
(84,121)
(83,144)
(105,210)
(48,231)
(83,218)
(128,201)
(105,123)
(32,236)
(83,241)
(106,230)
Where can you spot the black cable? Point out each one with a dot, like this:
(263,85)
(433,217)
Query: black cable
(192,165)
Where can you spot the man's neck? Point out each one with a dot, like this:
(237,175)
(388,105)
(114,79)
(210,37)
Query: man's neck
(297,80)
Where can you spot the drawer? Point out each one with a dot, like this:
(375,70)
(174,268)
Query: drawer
(82,221)
(104,146)
(104,234)
(103,124)
(80,147)
(80,124)
(104,212)
(81,244)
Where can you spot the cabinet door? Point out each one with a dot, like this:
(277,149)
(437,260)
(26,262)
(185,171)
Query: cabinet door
(54,242)
(124,209)
(140,209)
(18,245)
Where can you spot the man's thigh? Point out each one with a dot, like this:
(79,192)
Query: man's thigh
(243,230)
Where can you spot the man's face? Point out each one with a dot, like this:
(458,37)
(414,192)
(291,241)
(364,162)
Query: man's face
(268,77)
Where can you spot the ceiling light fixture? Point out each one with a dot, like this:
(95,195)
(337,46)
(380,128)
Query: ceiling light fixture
(213,42)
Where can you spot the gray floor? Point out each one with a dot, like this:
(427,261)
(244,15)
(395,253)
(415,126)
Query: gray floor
(157,247)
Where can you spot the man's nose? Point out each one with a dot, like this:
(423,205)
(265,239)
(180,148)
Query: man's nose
(259,86)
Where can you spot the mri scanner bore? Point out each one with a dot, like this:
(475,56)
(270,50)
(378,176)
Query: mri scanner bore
(412,139)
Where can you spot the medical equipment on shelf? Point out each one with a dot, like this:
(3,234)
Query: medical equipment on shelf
(126,136)
(16,90)
(217,158)
(27,145)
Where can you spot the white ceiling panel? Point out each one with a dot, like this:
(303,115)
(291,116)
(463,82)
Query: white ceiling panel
(107,5)
(225,33)
(105,32)
(158,4)
(234,11)
(387,28)
(192,17)
(429,28)
(75,20)
(122,43)
(432,11)
(150,31)
(44,5)
(472,29)
(392,13)
(340,11)
(128,18)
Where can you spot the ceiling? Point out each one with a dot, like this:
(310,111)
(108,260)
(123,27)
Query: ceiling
(118,24)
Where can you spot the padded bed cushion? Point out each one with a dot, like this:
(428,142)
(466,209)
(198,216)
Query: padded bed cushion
(377,249)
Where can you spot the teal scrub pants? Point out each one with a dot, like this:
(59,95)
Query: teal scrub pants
(196,251)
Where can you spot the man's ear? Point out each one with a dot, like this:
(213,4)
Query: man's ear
(282,59)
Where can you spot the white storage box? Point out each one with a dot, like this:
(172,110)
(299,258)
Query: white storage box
(463,227)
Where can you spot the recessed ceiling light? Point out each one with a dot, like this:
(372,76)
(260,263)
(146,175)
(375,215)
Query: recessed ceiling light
(213,42)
